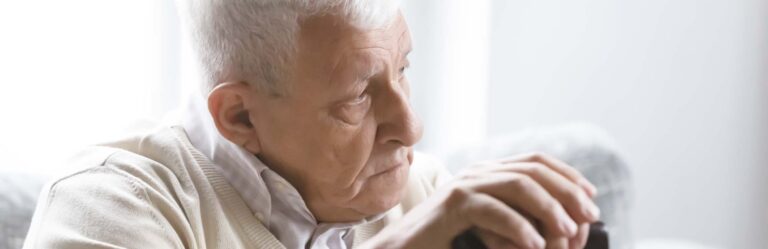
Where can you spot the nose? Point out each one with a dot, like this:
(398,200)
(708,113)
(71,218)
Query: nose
(398,122)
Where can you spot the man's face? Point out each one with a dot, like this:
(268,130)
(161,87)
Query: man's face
(343,134)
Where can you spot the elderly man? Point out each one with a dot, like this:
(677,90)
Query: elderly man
(305,141)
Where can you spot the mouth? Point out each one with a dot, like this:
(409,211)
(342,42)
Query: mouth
(390,169)
(407,161)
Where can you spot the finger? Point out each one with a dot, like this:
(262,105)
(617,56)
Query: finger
(488,213)
(557,242)
(580,240)
(559,166)
(575,201)
(523,193)
(494,241)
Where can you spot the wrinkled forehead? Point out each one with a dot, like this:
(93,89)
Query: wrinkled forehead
(329,36)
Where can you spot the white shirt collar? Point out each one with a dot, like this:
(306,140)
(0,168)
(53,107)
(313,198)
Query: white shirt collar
(271,198)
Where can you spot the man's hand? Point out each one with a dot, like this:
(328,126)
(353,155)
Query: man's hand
(529,201)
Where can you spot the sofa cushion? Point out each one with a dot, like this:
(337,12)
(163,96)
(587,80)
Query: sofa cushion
(18,196)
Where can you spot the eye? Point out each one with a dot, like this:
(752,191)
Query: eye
(360,98)
(354,110)
(402,69)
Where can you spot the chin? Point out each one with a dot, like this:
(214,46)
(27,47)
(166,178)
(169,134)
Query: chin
(383,192)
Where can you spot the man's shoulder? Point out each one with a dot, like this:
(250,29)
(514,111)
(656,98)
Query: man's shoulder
(112,163)
(94,195)
(121,185)
(143,161)
(93,177)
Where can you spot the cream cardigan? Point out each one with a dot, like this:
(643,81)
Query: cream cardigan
(158,191)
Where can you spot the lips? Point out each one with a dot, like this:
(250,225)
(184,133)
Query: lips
(390,169)
(397,163)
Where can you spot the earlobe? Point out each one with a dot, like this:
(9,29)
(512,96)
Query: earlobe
(228,105)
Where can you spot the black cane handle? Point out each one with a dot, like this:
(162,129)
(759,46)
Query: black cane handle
(597,239)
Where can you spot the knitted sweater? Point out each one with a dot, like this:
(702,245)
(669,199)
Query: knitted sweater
(158,191)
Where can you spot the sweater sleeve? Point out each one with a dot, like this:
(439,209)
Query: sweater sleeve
(98,208)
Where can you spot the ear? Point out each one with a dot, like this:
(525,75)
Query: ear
(228,105)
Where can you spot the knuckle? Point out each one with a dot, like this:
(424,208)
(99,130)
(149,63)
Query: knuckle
(537,169)
(538,156)
(552,209)
(572,194)
(458,195)
(522,183)
(483,211)
(574,198)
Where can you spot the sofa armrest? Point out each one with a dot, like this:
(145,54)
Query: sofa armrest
(18,197)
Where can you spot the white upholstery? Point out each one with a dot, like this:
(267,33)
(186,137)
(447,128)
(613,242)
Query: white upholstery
(18,195)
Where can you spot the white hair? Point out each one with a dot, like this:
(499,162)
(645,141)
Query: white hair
(254,40)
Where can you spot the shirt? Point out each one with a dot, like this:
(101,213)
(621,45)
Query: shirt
(271,198)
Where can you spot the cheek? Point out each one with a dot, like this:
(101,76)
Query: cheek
(351,150)
(346,150)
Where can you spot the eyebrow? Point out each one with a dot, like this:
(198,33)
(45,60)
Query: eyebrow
(407,51)
(401,43)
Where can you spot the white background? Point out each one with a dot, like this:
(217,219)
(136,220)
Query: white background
(681,85)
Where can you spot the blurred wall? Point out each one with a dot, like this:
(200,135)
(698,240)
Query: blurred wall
(79,72)
(449,71)
(681,85)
